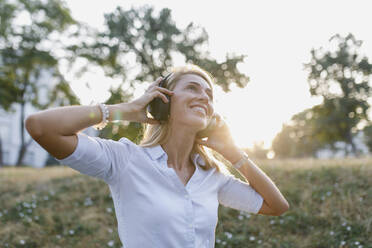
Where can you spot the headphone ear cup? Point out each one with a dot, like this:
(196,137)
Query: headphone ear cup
(159,109)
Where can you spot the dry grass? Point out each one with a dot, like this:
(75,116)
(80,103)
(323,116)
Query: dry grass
(330,205)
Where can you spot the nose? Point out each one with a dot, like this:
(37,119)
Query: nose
(204,97)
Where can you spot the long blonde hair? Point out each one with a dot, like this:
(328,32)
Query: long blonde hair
(157,134)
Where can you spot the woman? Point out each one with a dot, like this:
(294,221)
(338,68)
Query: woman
(167,189)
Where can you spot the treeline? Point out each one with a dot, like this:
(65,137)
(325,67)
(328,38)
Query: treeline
(137,45)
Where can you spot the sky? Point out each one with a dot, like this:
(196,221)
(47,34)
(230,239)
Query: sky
(276,36)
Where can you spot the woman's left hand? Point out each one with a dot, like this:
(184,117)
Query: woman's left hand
(221,141)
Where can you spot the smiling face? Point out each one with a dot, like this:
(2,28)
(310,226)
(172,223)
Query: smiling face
(192,101)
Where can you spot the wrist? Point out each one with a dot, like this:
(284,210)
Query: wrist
(115,113)
(244,159)
(234,155)
(121,112)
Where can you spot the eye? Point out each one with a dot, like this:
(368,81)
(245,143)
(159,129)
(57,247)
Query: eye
(192,86)
(195,88)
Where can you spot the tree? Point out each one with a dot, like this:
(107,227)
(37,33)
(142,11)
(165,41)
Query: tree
(137,41)
(28,54)
(297,137)
(368,136)
(258,151)
(341,77)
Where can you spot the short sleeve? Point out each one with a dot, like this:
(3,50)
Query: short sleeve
(98,157)
(239,195)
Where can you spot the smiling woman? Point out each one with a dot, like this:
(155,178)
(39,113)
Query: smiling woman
(171,181)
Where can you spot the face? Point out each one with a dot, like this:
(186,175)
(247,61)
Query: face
(192,90)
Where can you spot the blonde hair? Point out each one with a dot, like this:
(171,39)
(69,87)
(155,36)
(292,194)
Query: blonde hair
(157,134)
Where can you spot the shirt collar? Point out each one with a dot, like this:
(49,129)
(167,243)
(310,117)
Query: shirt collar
(157,152)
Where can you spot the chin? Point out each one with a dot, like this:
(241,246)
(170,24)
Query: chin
(196,121)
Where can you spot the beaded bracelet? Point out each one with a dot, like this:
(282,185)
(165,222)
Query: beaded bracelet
(105,114)
(239,164)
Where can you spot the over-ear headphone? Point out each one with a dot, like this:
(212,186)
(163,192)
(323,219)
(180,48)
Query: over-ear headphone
(157,107)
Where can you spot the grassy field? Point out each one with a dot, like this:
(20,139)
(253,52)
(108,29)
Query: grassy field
(330,206)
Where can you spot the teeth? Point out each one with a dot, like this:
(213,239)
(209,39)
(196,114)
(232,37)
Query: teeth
(200,109)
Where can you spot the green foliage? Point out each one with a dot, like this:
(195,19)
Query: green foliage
(368,136)
(341,77)
(141,42)
(330,206)
(29,64)
(296,139)
(25,57)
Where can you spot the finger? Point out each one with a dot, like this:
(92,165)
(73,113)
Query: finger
(161,95)
(157,81)
(164,90)
(201,142)
(155,86)
(152,121)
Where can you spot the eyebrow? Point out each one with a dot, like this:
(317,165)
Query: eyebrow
(208,89)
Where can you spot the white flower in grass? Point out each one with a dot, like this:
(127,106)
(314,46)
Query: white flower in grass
(329,193)
(272,222)
(22,242)
(281,221)
(71,232)
(229,235)
(342,242)
(58,236)
(109,230)
(218,241)
(344,224)
(240,217)
(88,201)
(109,210)
(260,241)
(331,233)
(360,246)
(26,205)
(36,217)
(356,243)
(111,243)
(224,242)
(348,228)
(251,238)
(46,198)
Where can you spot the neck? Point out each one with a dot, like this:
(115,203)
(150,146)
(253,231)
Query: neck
(178,148)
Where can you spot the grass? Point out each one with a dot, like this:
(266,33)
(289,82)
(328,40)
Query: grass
(330,206)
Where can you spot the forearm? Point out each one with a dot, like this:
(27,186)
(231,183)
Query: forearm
(261,183)
(68,120)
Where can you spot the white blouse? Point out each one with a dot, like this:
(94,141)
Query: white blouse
(152,206)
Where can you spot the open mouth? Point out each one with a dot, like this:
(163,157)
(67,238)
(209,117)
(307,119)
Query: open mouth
(199,109)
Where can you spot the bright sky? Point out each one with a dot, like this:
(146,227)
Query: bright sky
(277,36)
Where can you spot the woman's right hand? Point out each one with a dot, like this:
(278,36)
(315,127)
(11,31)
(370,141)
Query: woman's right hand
(138,108)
